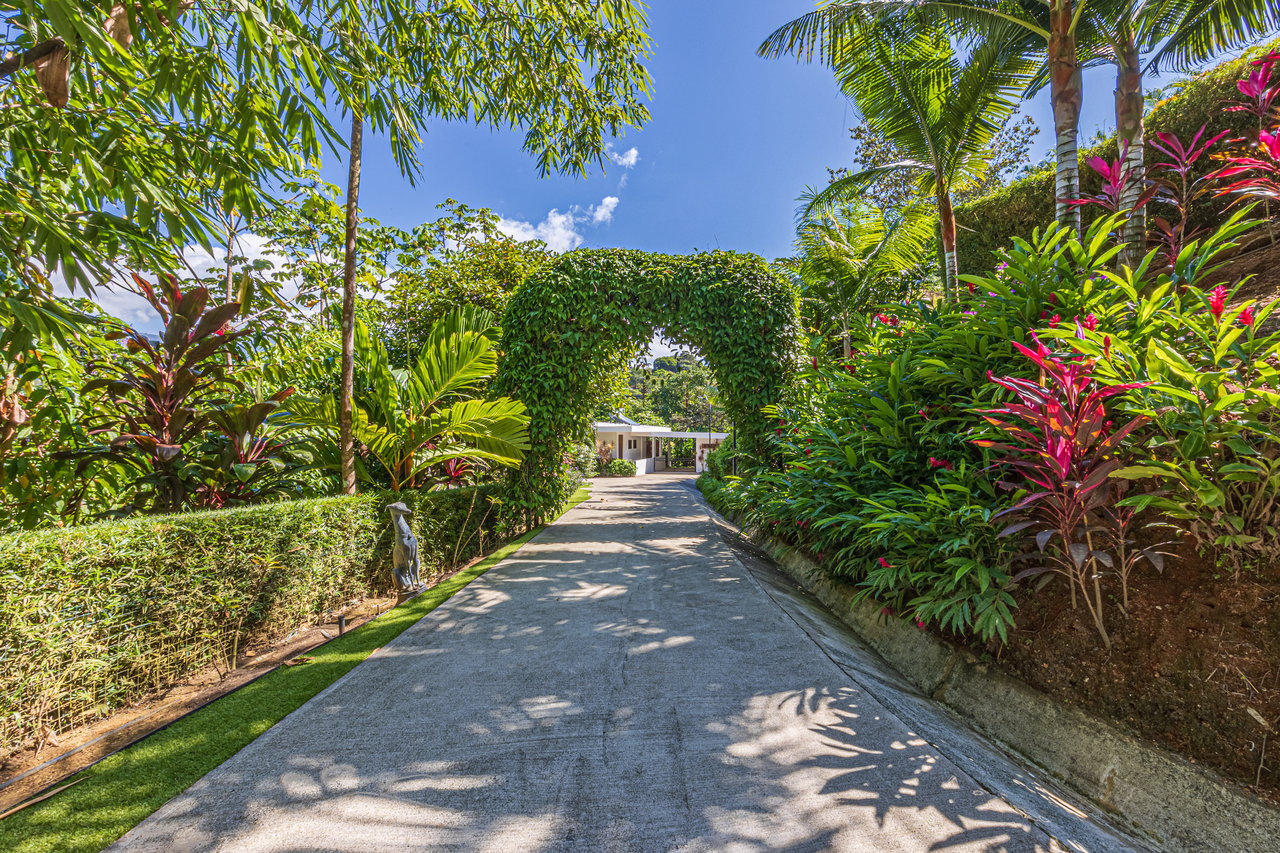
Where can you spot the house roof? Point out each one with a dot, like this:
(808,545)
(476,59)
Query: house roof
(655,431)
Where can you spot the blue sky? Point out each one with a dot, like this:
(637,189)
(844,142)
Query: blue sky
(732,141)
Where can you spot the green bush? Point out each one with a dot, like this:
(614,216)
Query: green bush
(620,468)
(988,224)
(95,617)
(720,461)
(881,468)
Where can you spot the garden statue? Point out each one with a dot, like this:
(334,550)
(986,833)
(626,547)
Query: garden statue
(404,551)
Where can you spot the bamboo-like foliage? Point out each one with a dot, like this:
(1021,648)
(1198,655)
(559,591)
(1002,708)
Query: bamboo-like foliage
(96,617)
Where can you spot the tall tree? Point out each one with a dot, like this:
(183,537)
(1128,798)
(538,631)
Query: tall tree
(1176,33)
(568,74)
(1045,27)
(942,110)
(125,133)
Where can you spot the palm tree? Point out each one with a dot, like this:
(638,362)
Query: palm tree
(430,413)
(1062,33)
(941,109)
(1181,33)
(1029,26)
(848,259)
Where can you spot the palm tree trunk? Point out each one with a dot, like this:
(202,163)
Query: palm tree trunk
(1129,134)
(844,335)
(346,441)
(950,263)
(1065,91)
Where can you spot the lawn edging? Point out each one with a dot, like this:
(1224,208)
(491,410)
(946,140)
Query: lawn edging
(1162,796)
(106,800)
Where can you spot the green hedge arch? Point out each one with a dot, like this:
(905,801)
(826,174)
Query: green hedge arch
(574,324)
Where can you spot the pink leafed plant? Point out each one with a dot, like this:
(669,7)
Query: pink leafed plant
(1059,438)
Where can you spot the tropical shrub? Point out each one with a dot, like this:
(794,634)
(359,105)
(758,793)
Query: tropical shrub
(158,404)
(620,468)
(98,616)
(426,424)
(880,462)
(1065,448)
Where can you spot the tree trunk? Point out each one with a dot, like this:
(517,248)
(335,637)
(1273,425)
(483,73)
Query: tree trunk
(844,335)
(1129,132)
(346,441)
(950,263)
(1065,91)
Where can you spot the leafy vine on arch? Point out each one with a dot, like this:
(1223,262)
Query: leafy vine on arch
(576,322)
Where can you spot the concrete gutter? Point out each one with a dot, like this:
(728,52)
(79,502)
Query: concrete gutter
(1178,805)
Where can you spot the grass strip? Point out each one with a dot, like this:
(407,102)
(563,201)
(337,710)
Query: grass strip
(120,791)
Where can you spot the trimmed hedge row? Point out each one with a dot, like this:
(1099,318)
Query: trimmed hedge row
(987,224)
(93,618)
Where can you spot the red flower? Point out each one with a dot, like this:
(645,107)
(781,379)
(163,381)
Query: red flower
(814,361)
(1054,321)
(1246,316)
(941,463)
(887,319)
(1053,299)
(971,287)
(1091,323)
(920,624)
(778,431)
(1218,301)
(1106,347)
(885,564)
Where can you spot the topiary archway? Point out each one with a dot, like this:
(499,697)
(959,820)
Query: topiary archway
(574,324)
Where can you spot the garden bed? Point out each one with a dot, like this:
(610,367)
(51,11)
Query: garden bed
(1199,652)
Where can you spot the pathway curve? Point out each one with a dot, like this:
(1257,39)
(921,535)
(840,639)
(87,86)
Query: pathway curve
(627,681)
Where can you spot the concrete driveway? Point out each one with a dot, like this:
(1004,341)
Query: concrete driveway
(628,681)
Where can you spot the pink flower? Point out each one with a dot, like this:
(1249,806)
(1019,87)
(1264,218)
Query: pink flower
(941,463)
(887,319)
(885,564)
(1091,323)
(1054,321)
(1246,316)
(814,361)
(1218,301)
(1106,347)
(920,624)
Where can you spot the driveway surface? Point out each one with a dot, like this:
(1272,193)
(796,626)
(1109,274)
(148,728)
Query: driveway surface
(630,680)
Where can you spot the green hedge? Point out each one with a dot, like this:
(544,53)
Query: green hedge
(93,618)
(620,468)
(987,224)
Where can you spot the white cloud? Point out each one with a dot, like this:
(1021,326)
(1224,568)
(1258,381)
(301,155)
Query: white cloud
(556,230)
(626,159)
(560,231)
(603,212)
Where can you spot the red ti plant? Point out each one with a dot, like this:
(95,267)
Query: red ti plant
(1261,90)
(159,392)
(1175,184)
(1257,175)
(249,455)
(1116,178)
(1059,438)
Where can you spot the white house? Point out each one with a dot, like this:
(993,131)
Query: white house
(648,445)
